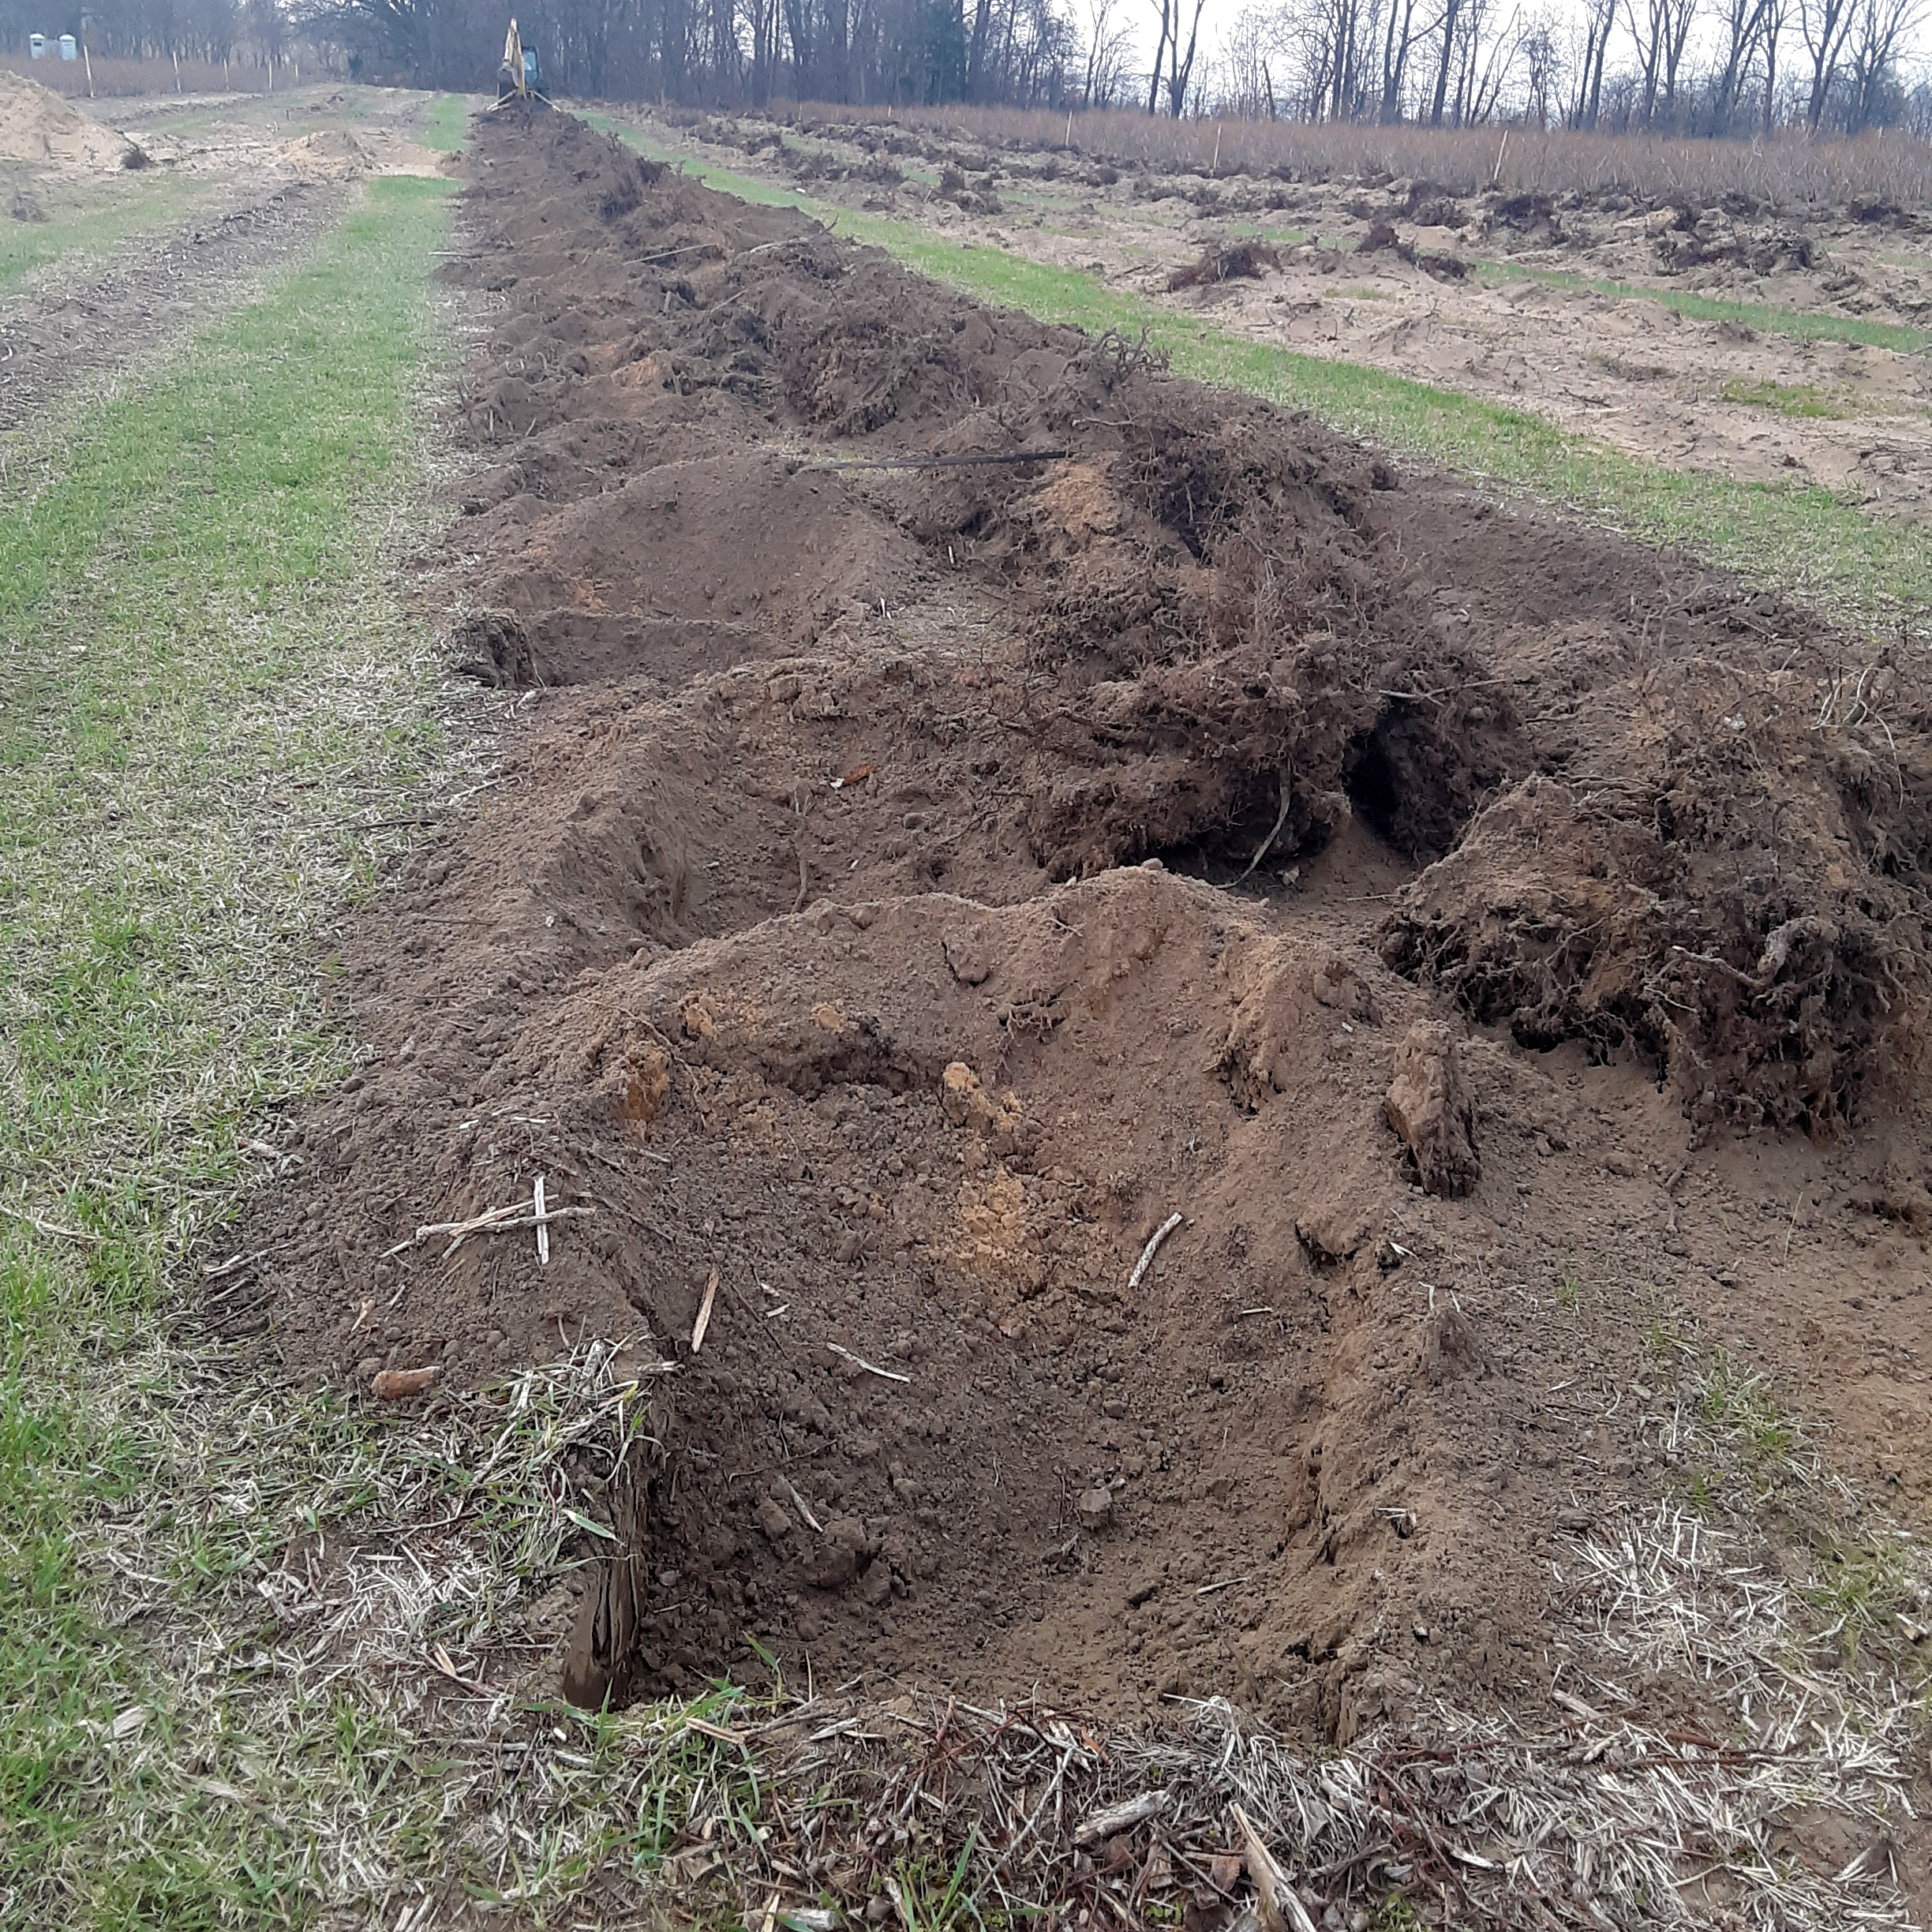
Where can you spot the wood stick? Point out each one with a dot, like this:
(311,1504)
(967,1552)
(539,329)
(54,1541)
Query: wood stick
(525,1219)
(542,1220)
(1146,1254)
(811,1521)
(860,1361)
(704,1312)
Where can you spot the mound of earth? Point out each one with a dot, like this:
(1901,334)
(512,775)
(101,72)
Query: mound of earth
(37,124)
(335,154)
(1031,887)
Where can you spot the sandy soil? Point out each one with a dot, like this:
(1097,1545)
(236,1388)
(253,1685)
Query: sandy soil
(1719,395)
(914,888)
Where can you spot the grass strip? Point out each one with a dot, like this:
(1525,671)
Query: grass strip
(444,123)
(206,689)
(1808,540)
(93,216)
(1766,318)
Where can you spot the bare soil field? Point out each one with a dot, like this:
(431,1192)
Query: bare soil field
(1184,1067)
(1555,301)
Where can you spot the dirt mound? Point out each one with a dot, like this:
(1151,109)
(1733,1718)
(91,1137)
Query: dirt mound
(1225,263)
(1716,853)
(36,125)
(1046,1247)
(335,154)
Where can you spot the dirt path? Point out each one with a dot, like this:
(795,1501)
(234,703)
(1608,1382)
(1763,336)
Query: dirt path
(277,172)
(83,326)
(1394,276)
(1167,1057)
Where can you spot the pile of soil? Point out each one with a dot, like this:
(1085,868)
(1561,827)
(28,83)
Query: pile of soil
(1027,882)
(335,154)
(37,124)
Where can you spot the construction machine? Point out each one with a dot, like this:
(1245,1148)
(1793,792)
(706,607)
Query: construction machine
(519,77)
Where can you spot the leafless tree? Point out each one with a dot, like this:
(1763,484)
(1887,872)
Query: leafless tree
(1108,45)
(1598,22)
(1777,16)
(1395,47)
(1825,25)
(1882,29)
(1742,29)
(1178,71)
(1542,61)
(1661,29)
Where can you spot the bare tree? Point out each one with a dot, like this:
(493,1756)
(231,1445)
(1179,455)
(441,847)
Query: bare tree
(1662,31)
(1173,70)
(1743,27)
(1778,15)
(1106,55)
(1824,24)
(1881,30)
(1542,65)
(1401,37)
(1599,21)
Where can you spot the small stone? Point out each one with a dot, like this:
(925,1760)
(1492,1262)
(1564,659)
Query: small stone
(1095,1507)
(1622,1163)
(773,1521)
(1114,1407)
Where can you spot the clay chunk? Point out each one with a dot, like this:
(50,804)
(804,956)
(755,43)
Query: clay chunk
(1428,1105)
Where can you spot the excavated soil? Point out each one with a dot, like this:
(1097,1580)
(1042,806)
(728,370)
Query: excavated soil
(915,885)
(36,125)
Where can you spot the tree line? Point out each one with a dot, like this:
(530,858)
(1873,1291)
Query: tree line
(1681,66)
(1678,66)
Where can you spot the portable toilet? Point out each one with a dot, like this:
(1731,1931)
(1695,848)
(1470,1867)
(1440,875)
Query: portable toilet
(69,48)
(36,46)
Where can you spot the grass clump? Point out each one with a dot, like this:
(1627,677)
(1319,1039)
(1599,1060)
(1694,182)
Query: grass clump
(1796,400)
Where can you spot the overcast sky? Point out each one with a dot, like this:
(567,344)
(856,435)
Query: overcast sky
(1219,15)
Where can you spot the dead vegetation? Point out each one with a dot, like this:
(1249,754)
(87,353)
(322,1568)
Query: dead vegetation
(1876,175)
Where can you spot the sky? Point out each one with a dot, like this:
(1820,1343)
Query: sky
(1219,16)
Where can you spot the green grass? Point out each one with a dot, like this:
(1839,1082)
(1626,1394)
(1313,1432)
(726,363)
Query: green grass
(91,216)
(1807,540)
(203,678)
(444,123)
(1797,399)
(1804,323)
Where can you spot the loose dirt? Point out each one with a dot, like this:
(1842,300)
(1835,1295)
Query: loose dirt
(36,125)
(1486,294)
(913,888)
